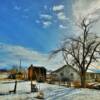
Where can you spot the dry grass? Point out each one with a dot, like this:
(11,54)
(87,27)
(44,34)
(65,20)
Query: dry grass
(76,84)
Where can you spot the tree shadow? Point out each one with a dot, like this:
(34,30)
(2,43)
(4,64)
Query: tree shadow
(3,94)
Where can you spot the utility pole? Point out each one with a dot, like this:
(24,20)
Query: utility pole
(20,66)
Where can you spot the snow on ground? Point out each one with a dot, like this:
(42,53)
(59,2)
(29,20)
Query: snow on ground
(51,92)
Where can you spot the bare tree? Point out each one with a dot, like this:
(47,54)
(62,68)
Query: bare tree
(79,52)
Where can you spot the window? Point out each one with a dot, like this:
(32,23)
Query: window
(72,76)
(61,74)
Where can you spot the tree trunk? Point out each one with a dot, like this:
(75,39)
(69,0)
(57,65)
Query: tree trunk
(83,79)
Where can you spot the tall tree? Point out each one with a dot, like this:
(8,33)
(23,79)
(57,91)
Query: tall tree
(79,52)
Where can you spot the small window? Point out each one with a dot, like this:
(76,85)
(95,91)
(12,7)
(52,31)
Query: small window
(61,74)
(72,76)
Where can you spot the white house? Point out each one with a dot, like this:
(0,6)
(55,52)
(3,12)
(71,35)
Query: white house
(67,72)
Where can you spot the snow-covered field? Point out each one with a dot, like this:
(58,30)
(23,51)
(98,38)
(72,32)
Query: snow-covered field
(51,92)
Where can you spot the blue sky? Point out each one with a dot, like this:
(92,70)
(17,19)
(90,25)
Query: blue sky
(31,23)
(30,29)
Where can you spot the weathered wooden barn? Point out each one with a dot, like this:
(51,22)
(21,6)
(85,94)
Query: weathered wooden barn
(36,73)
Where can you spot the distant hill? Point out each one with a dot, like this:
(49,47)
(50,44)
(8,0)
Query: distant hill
(3,70)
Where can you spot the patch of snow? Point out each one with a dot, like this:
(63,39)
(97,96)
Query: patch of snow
(51,92)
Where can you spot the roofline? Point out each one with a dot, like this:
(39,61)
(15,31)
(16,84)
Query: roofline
(60,68)
(36,66)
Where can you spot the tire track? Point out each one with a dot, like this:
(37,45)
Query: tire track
(58,93)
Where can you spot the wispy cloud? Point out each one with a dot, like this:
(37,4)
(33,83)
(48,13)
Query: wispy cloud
(90,8)
(62,26)
(46,19)
(61,16)
(11,54)
(46,23)
(46,16)
(58,7)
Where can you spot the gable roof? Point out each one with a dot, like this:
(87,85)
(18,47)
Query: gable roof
(59,69)
(36,67)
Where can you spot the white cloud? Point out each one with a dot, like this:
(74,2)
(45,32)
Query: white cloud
(19,51)
(46,16)
(58,7)
(90,8)
(11,54)
(46,24)
(61,16)
(45,20)
(62,26)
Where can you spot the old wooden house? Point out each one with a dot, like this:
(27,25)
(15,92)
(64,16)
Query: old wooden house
(36,73)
